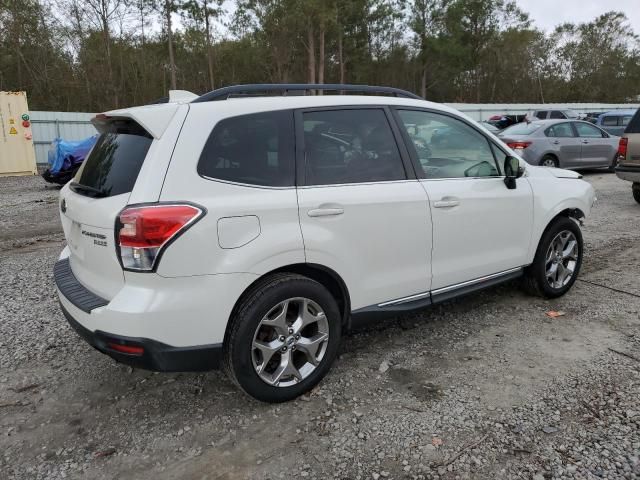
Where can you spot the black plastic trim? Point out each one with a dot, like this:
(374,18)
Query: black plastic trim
(73,290)
(157,356)
(363,317)
(284,88)
(628,169)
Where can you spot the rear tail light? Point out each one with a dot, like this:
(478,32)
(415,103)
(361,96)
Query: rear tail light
(518,145)
(144,232)
(622,148)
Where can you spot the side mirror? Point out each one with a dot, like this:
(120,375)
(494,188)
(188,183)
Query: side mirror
(512,171)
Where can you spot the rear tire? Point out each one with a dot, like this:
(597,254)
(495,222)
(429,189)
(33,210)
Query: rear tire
(269,350)
(635,188)
(558,259)
(549,161)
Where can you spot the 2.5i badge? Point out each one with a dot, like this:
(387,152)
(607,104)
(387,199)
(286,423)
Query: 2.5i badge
(98,238)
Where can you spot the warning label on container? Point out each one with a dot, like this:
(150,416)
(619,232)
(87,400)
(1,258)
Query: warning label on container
(13,131)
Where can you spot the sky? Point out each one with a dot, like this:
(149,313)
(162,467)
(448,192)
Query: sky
(547,14)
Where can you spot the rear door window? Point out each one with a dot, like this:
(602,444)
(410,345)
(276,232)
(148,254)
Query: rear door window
(350,146)
(256,149)
(113,165)
(557,114)
(541,114)
(560,130)
(610,121)
(588,131)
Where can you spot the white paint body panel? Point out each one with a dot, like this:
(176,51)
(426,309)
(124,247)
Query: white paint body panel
(488,231)
(381,245)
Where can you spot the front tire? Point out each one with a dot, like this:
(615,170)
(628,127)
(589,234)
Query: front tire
(283,338)
(558,259)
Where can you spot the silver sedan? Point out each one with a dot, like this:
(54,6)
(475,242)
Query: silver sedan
(562,143)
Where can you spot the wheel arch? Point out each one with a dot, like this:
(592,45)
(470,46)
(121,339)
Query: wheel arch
(575,213)
(549,153)
(326,276)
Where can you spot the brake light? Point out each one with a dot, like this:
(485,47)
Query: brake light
(622,148)
(143,232)
(520,145)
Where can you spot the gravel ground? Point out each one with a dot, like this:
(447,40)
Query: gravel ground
(484,387)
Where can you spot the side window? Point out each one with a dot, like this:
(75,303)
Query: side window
(350,146)
(624,121)
(447,147)
(557,114)
(560,130)
(256,149)
(541,114)
(610,121)
(588,131)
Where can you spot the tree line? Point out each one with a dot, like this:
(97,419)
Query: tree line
(96,55)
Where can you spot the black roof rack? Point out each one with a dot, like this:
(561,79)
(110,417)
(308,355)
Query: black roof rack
(269,89)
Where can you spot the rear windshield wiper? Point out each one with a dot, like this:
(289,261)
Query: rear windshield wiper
(96,192)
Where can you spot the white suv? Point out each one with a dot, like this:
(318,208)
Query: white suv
(252,232)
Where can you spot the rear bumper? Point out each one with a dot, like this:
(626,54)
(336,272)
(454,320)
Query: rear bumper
(155,356)
(140,327)
(628,173)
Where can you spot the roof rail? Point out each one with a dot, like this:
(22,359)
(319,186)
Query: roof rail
(268,89)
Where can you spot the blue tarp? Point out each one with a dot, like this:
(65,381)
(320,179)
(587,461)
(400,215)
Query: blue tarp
(64,154)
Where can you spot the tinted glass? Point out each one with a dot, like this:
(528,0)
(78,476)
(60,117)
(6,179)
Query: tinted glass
(542,114)
(560,130)
(447,147)
(634,124)
(588,131)
(610,121)
(521,129)
(115,160)
(350,146)
(256,149)
(557,114)
(625,120)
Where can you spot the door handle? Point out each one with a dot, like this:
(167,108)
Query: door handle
(585,141)
(556,142)
(446,203)
(325,212)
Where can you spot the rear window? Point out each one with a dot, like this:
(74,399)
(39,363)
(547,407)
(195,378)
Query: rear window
(610,121)
(634,124)
(256,149)
(521,129)
(569,114)
(113,165)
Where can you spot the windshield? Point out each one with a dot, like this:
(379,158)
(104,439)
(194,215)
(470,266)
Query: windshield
(570,114)
(521,129)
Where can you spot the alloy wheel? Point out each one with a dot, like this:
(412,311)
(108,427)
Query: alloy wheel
(561,259)
(290,342)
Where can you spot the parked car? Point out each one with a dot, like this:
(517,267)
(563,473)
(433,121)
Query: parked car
(490,127)
(616,121)
(629,155)
(591,117)
(554,114)
(503,121)
(251,233)
(563,144)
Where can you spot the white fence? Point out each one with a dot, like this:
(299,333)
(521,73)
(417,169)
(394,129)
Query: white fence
(75,125)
